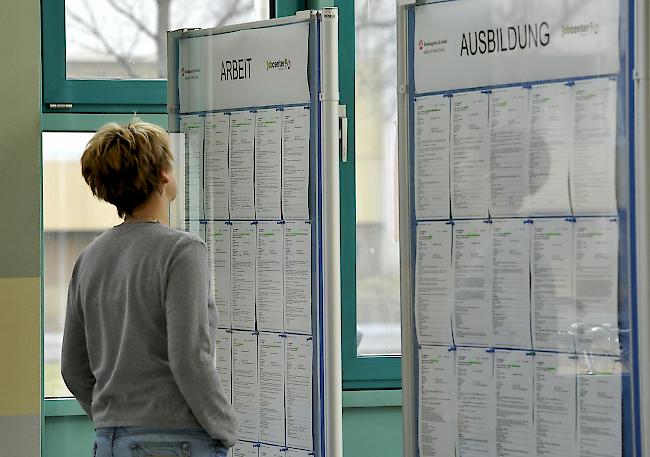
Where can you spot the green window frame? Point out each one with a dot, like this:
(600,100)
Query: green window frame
(95,102)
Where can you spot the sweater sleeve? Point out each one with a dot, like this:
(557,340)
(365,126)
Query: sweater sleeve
(75,364)
(189,342)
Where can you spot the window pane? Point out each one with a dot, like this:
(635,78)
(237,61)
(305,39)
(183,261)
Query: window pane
(72,218)
(127,39)
(378,311)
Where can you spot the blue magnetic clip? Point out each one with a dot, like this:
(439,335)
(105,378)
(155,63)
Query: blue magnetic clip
(253,110)
(227,113)
(281,222)
(486,91)
(309,338)
(531,353)
(284,449)
(487,221)
(227,222)
(570,219)
(449,222)
(253,222)
(528,221)
(203,222)
(283,335)
(527,86)
(448,95)
(451,348)
(279,108)
(613,219)
(305,107)
(256,445)
(256,333)
(308,222)
(570,83)
(490,350)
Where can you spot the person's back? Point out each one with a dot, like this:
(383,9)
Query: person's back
(139,340)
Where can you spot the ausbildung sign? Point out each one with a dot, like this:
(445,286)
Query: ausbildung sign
(475,43)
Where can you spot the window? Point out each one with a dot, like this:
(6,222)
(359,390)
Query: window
(377,257)
(72,218)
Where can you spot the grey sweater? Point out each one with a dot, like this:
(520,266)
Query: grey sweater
(140,328)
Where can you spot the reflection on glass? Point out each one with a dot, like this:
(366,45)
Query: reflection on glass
(378,311)
(72,218)
(127,39)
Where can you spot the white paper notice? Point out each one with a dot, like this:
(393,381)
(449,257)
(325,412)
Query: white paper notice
(470,155)
(298,453)
(437,400)
(271,378)
(268,164)
(593,159)
(550,142)
(472,300)
(217,179)
(476,402)
(297,277)
(514,410)
(245,384)
(295,163)
(271,451)
(193,127)
(555,405)
(433,283)
(596,285)
(552,304)
(599,407)
(509,128)
(224,360)
(298,392)
(244,253)
(244,449)
(511,283)
(218,240)
(269,272)
(241,165)
(432,157)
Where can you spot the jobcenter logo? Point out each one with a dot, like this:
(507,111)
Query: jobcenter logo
(280,64)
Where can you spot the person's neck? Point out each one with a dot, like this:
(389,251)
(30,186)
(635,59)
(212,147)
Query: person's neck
(156,209)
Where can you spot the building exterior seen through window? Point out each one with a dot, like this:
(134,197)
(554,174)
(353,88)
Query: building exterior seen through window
(72,218)
(378,310)
(127,39)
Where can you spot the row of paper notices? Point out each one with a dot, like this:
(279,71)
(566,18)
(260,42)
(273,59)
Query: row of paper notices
(540,151)
(550,284)
(248,449)
(513,403)
(271,385)
(193,128)
(254,165)
(261,275)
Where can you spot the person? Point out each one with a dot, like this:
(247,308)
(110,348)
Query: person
(139,337)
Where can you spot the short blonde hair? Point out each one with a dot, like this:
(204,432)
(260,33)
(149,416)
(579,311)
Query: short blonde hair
(123,165)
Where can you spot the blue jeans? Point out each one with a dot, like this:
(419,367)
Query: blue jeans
(149,442)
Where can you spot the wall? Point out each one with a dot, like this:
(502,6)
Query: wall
(20,340)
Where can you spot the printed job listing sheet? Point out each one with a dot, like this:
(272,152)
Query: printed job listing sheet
(245,384)
(193,127)
(437,400)
(218,240)
(476,403)
(271,353)
(509,129)
(510,283)
(599,407)
(550,145)
(555,404)
(268,164)
(242,164)
(298,391)
(224,360)
(514,406)
(472,297)
(269,277)
(433,283)
(596,285)
(297,277)
(432,157)
(593,158)
(470,155)
(217,179)
(244,250)
(553,309)
(295,163)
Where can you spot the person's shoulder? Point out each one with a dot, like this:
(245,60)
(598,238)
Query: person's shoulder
(184,239)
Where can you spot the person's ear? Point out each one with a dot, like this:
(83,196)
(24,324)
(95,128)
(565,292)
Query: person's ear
(165,177)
